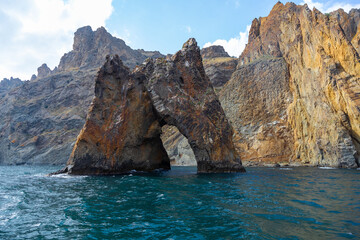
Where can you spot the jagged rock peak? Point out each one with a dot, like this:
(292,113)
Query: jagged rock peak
(8,84)
(43,71)
(83,39)
(190,43)
(90,48)
(214,52)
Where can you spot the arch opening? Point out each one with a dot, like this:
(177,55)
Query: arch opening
(177,147)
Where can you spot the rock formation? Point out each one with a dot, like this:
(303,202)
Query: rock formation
(7,85)
(40,119)
(218,65)
(91,47)
(177,147)
(215,51)
(317,112)
(256,100)
(43,71)
(122,131)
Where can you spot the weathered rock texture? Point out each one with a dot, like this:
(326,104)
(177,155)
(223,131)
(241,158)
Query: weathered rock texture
(122,132)
(215,51)
(43,71)
(91,47)
(40,119)
(177,147)
(7,85)
(256,101)
(321,121)
(123,128)
(218,65)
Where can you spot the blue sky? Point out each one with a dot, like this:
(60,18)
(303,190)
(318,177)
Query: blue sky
(166,25)
(41,31)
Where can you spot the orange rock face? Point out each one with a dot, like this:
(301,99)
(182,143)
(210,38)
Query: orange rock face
(256,100)
(322,118)
(121,132)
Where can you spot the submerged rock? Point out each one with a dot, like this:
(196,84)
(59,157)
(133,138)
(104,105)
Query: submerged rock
(122,131)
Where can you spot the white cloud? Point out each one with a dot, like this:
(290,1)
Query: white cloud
(234,46)
(329,7)
(188,29)
(41,31)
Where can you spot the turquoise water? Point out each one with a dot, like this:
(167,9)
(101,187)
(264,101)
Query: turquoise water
(264,203)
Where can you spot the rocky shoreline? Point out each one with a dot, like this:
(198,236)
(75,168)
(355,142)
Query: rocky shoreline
(290,99)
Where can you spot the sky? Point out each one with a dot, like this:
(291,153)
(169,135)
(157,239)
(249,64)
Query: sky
(33,32)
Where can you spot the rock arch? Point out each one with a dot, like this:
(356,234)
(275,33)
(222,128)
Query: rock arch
(123,127)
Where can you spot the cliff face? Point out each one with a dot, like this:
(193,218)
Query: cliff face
(322,114)
(255,100)
(40,119)
(218,65)
(122,131)
(7,85)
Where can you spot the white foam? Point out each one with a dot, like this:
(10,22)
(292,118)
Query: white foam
(285,168)
(327,168)
(65,175)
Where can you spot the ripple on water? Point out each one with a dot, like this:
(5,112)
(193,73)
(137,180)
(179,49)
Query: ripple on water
(260,204)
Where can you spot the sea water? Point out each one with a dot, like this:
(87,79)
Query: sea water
(264,203)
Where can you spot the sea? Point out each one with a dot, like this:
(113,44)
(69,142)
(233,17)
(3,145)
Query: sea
(263,203)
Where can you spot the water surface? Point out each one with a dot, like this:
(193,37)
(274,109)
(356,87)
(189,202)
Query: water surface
(264,203)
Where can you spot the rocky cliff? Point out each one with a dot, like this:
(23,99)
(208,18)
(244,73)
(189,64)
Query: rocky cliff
(91,47)
(256,100)
(7,85)
(122,131)
(218,65)
(40,119)
(308,109)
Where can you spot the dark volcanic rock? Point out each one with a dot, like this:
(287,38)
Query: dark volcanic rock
(41,119)
(43,71)
(214,52)
(8,84)
(90,49)
(121,132)
(218,65)
(129,110)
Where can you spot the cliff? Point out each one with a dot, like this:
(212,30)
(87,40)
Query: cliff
(91,47)
(218,65)
(41,118)
(122,131)
(296,89)
(7,85)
